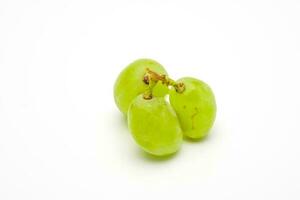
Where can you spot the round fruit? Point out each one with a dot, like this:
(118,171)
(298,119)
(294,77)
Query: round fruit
(154,125)
(130,82)
(195,107)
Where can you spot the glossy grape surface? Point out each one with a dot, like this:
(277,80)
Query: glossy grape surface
(130,84)
(195,107)
(154,126)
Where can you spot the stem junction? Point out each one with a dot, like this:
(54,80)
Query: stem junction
(151,78)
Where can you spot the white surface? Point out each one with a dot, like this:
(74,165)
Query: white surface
(62,137)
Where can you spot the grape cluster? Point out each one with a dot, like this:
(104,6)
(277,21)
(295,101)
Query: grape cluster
(156,124)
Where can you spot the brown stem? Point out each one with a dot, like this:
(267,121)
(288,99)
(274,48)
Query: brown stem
(155,77)
(148,93)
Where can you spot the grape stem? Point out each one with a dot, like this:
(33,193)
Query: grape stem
(155,77)
(148,93)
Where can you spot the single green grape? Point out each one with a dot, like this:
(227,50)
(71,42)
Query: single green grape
(195,107)
(130,82)
(154,125)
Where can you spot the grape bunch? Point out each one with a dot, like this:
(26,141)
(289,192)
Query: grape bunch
(158,123)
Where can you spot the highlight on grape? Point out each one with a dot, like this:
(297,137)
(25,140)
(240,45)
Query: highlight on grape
(159,126)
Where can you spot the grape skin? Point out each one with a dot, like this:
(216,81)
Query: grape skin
(130,84)
(195,107)
(154,126)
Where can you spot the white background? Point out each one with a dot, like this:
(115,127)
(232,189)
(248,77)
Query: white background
(62,137)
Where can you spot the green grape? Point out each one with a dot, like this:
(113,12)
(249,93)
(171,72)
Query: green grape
(130,82)
(195,107)
(154,125)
